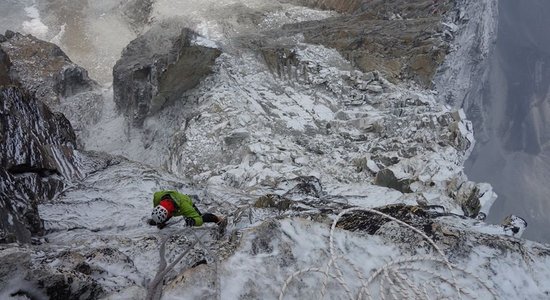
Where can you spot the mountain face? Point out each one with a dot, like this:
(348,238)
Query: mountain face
(37,148)
(512,153)
(321,130)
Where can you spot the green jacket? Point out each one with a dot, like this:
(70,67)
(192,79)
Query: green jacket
(184,205)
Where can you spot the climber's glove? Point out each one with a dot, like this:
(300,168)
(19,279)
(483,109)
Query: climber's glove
(189,222)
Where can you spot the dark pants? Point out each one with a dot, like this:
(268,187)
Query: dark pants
(210,218)
(207,217)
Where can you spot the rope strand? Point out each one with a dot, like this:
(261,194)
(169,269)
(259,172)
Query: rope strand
(394,282)
(154,291)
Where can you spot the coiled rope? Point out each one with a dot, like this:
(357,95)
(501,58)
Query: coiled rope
(394,277)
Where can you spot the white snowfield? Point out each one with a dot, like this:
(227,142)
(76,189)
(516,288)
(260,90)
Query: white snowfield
(246,132)
(102,222)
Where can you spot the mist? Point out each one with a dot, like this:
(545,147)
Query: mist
(514,156)
(94,33)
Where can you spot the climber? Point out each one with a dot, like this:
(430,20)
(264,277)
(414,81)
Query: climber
(171,203)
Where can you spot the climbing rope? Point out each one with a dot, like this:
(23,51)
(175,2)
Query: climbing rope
(395,279)
(154,290)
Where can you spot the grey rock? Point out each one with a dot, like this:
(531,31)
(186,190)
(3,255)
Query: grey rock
(283,62)
(371,223)
(3,38)
(39,281)
(9,34)
(157,68)
(385,160)
(341,115)
(387,178)
(457,139)
(468,198)
(72,80)
(514,225)
(37,149)
(459,115)
(350,6)
(374,88)
(45,70)
(14,265)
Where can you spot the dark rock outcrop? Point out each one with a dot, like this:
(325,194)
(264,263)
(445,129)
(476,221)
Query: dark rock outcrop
(387,178)
(157,68)
(5,69)
(371,223)
(37,149)
(44,69)
(402,39)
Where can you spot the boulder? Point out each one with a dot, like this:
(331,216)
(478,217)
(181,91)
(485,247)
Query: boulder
(44,69)
(273,201)
(157,68)
(370,222)
(387,178)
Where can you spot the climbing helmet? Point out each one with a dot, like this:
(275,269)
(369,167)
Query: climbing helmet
(159,214)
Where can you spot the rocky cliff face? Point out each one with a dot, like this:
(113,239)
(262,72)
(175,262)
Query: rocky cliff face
(45,71)
(405,40)
(37,149)
(37,144)
(460,79)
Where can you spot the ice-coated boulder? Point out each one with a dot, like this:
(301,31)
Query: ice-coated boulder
(44,69)
(157,68)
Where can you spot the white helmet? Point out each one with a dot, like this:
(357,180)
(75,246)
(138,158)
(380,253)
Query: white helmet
(159,214)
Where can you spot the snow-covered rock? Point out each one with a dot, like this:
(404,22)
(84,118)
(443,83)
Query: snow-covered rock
(157,68)
(45,70)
